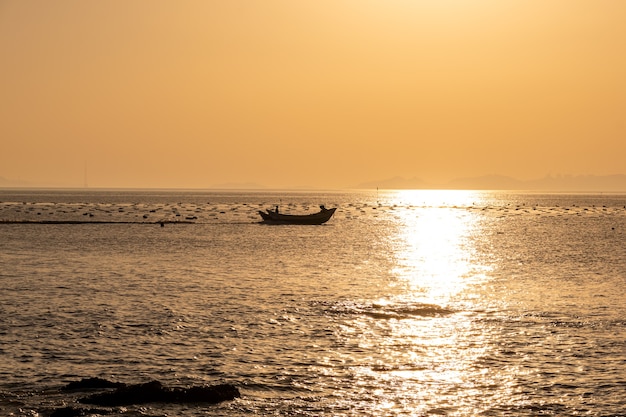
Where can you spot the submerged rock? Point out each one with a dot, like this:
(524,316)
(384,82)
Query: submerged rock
(91,383)
(155,392)
(76,412)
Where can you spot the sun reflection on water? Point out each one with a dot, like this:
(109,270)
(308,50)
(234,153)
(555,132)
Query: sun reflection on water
(429,345)
(433,248)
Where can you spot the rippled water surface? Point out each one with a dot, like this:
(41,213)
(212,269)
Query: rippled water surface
(404,303)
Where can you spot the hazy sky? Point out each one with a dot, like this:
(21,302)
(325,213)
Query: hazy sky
(321,93)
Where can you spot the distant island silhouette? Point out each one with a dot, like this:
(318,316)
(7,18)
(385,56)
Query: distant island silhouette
(577,183)
(572,183)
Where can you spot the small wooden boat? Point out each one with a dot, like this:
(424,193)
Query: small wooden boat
(274,217)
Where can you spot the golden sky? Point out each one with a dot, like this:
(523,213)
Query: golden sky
(159,93)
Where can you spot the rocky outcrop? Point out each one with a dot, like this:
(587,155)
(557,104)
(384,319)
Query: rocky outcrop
(114,394)
(77,412)
(155,392)
(91,383)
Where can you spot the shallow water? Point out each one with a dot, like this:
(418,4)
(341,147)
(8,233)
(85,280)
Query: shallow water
(404,303)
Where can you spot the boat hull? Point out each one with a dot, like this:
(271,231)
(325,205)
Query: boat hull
(271,217)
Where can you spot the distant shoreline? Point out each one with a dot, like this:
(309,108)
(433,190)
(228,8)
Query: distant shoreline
(307,190)
(562,183)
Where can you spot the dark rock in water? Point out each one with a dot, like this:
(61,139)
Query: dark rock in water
(205,394)
(91,383)
(155,392)
(130,394)
(76,412)
(68,412)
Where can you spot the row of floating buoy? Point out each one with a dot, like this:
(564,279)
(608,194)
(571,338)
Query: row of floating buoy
(211,212)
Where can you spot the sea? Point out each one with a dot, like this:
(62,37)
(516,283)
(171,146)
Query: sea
(406,303)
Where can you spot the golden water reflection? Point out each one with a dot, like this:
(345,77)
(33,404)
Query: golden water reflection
(433,356)
(433,248)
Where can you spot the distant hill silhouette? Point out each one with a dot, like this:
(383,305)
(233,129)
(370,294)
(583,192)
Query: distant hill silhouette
(6,182)
(580,183)
(397,183)
(575,183)
(487,182)
(238,186)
